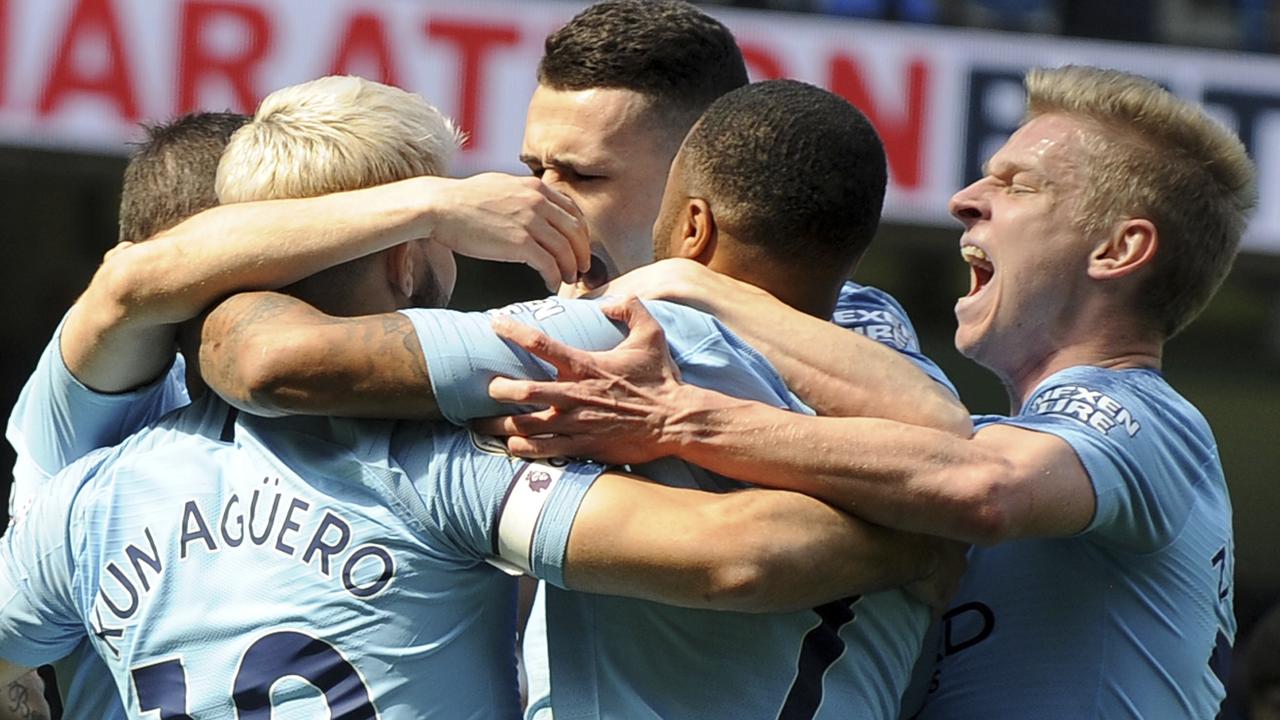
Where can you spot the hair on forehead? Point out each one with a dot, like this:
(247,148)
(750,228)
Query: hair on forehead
(1151,154)
(667,50)
(333,134)
(797,171)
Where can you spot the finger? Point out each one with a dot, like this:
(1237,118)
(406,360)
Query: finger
(550,240)
(569,220)
(562,396)
(640,323)
(642,329)
(500,426)
(568,361)
(562,201)
(543,447)
(536,257)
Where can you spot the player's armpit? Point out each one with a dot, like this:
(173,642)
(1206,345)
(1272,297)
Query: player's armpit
(23,699)
(272,354)
(748,551)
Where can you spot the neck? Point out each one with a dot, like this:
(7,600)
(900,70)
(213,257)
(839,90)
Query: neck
(813,291)
(1113,352)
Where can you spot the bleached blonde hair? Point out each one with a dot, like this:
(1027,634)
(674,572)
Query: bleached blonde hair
(1152,155)
(333,134)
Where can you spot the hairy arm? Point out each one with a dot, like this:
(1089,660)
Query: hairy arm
(121,331)
(834,370)
(272,354)
(746,551)
(627,406)
(1003,483)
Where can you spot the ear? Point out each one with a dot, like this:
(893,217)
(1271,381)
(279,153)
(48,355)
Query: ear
(696,231)
(1130,247)
(400,269)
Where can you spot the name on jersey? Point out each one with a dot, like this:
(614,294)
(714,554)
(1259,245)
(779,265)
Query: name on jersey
(1095,409)
(267,519)
(539,309)
(880,325)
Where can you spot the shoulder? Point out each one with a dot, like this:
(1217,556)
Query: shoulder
(1119,404)
(876,314)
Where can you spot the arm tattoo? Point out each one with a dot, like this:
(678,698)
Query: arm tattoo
(23,701)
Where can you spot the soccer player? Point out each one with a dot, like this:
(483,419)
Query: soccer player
(58,418)
(112,368)
(769,236)
(366,543)
(1100,229)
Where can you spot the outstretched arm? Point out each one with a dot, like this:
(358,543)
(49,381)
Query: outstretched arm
(746,551)
(626,406)
(836,371)
(121,331)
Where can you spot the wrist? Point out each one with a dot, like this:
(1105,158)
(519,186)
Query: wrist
(692,422)
(424,201)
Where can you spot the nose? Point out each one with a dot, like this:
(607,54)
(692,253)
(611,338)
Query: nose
(970,204)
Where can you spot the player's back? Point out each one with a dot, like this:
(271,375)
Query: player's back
(226,565)
(613,656)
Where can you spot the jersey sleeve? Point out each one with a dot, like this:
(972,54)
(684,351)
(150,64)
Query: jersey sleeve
(463,354)
(1139,504)
(58,419)
(490,506)
(39,622)
(874,314)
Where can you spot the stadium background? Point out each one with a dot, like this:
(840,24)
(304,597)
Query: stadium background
(938,78)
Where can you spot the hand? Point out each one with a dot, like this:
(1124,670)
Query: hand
(937,589)
(680,280)
(616,406)
(512,219)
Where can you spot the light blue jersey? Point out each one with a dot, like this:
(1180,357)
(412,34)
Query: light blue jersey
(291,567)
(874,314)
(617,657)
(56,421)
(1132,618)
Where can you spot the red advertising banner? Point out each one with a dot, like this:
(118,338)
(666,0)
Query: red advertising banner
(81,74)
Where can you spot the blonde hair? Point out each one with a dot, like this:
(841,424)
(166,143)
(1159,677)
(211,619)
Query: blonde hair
(1152,155)
(333,134)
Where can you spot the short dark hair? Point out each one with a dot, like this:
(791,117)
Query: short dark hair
(170,176)
(797,171)
(667,50)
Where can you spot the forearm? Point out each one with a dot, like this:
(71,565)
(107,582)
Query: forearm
(837,371)
(747,551)
(897,475)
(264,245)
(807,553)
(121,332)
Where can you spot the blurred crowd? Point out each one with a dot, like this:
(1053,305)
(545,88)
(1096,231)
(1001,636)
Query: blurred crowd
(1252,25)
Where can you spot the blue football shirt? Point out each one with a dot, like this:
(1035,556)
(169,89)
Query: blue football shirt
(618,657)
(57,420)
(1133,616)
(290,567)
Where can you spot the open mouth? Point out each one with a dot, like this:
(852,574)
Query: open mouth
(598,274)
(980,268)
